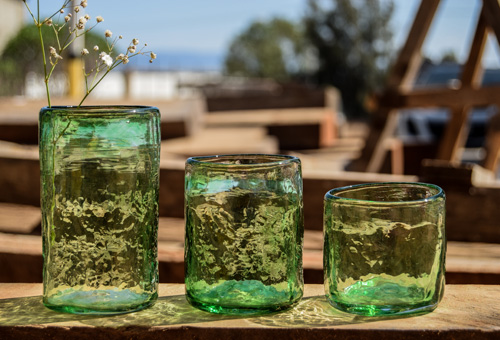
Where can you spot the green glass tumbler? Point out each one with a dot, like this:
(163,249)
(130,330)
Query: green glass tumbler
(244,233)
(99,196)
(384,248)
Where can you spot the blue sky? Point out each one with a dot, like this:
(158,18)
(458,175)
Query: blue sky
(207,27)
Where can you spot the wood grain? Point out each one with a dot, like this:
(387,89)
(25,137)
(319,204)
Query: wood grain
(466,312)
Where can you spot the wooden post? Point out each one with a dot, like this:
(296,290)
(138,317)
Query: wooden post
(457,128)
(400,80)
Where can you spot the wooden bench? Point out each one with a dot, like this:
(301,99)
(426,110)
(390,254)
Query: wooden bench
(21,254)
(466,312)
(19,118)
(220,141)
(470,201)
(295,128)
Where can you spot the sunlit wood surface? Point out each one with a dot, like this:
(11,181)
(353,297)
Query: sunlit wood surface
(466,312)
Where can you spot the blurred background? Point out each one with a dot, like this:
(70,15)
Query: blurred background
(361,91)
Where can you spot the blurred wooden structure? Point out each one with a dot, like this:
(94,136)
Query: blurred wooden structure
(399,93)
(294,128)
(470,260)
(261,95)
(21,254)
(19,117)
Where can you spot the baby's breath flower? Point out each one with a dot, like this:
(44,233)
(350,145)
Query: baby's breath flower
(106,59)
(81,23)
(54,53)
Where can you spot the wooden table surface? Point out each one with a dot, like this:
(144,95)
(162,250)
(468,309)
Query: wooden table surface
(466,312)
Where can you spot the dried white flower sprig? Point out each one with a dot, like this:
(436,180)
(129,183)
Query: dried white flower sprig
(104,61)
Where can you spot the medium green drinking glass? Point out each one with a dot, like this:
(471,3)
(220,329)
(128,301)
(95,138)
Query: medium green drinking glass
(100,184)
(384,248)
(244,233)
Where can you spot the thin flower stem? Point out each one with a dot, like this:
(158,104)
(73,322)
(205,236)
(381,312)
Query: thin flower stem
(56,33)
(101,70)
(31,13)
(44,66)
(94,85)
(66,43)
(52,69)
(97,70)
(58,11)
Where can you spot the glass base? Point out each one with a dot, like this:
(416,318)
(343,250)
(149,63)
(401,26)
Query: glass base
(378,297)
(380,310)
(99,302)
(241,298)
(228,310)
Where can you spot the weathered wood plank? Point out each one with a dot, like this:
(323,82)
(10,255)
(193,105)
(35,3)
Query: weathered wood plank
(466,312)
(20,255)
(19,119)
(469,202)
(218,141)
(265,95)
(21,259)
(444,97)
(295,129)
(297,116)
(20,174)
(472,196)
(20,219)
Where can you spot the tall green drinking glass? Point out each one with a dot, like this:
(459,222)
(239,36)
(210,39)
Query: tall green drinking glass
(244,233)
(384,250)
(100,184)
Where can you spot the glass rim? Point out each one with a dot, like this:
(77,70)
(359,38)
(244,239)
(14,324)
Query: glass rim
(331,194)
(100,109)
(215,160)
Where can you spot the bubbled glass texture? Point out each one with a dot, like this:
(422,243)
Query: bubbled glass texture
(100,184)
(384,250)
(244,233)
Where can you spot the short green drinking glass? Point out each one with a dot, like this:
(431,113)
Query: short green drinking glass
(244,233)
(384,248)
(100,183)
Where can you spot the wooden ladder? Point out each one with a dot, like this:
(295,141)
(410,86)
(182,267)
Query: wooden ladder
(399,92)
